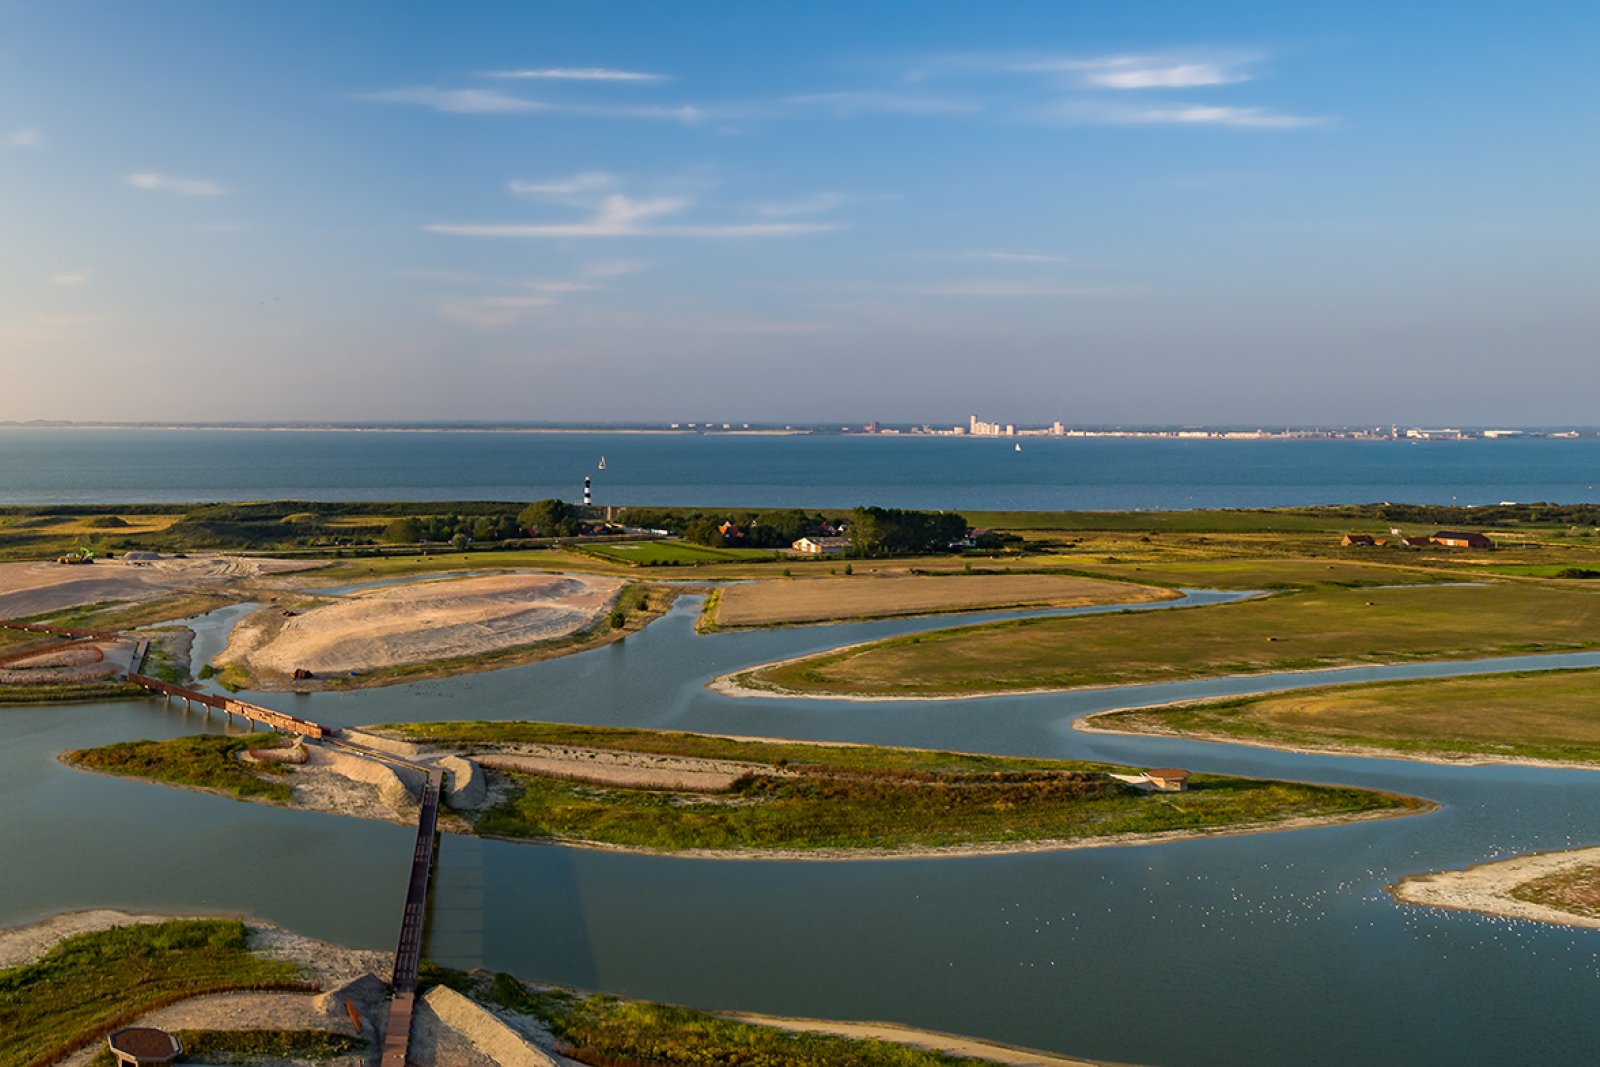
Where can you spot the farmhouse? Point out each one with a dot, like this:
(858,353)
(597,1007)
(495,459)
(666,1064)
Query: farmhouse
(821,546)
(1416,542)
(1457,539)
(1360,540)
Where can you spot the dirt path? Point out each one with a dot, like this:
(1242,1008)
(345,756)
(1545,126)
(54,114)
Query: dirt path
(35,588)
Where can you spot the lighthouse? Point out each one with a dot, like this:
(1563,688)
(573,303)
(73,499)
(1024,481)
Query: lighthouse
(586,494)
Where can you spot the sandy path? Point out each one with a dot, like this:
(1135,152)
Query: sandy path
(1486,888)
(634,770)
(421,622)
(35,588)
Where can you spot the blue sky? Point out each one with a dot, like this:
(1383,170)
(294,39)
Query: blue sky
(1098,212)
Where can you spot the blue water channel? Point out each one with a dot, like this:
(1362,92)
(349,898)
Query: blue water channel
(1265,949)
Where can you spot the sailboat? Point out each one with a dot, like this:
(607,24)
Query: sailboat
(602,463)
(1017,446)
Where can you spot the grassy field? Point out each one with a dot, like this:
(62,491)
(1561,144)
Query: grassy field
(1543,715)
(1267,574)
(806,797)
(92,983)
(609,1031)
(809,600)
(203,761)
(1575,891)
(674,553)
(1299,631)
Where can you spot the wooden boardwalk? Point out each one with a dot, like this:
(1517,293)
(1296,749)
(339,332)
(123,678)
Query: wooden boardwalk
(408,953)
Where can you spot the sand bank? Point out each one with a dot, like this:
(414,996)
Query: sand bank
(1487,887)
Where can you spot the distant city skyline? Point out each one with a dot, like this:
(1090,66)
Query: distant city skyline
(1219,215)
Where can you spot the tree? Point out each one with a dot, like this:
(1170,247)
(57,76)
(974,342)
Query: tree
(402,532)
(550,518)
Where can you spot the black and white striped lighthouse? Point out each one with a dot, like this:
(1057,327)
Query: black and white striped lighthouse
(586,494)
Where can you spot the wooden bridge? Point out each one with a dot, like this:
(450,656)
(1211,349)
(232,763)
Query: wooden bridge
(408,953)
(255,713)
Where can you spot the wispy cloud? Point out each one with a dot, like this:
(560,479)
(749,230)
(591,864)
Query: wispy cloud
(495,102)
(1149,71)
(167,183)
(622,216)
(491,312)
(22,139)
(886,102)
(767,326)
(579,74)
(457,101)
(1015,257)
(70,279)
(1019,288)
(587,182)
(1259,118)
(612,268)
(815,204)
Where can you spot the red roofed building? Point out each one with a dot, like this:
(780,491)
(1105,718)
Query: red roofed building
(1458,539)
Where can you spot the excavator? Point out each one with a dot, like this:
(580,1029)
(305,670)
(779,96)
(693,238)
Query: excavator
(76,556)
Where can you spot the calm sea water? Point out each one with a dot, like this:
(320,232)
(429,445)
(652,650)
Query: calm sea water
(44,466)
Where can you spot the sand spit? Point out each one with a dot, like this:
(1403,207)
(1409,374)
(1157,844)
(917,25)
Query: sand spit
(931,1040)
(39,587)
(419,622)
(1486,888)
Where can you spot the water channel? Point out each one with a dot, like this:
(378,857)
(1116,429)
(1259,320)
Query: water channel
(1263,949)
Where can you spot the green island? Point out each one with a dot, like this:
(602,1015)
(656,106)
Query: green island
(1305,629)
(200,761)
(669,792)
(92,983)
(1547,716)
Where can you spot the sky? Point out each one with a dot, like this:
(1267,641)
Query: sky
(1100,212)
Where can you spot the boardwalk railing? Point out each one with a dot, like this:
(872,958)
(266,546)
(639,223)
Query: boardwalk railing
(277,720)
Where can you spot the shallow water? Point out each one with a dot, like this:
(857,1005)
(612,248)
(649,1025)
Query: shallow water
(1272,948)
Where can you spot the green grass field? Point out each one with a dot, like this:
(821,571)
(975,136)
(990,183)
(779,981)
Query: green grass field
(1267,574)
(668,553)
(1299,631)
(92,983)
(806,797)
(1543,715)
(202,761)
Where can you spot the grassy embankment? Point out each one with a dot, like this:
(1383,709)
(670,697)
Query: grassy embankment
(1308,630)
(612,1032)
(1529,715)
(1575,891)
(805,797)
(636,606)
(813,600)
(247,1047)
(90,984)
(204,761)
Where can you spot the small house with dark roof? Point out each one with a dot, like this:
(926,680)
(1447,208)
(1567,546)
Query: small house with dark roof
(1355,540)
(1416,542)
(144,1046)
(1167,779)
(1459,539)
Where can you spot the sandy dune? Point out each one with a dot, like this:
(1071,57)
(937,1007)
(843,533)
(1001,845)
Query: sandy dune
(33,588)
(421,622)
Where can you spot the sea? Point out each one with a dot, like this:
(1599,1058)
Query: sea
(41,466)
